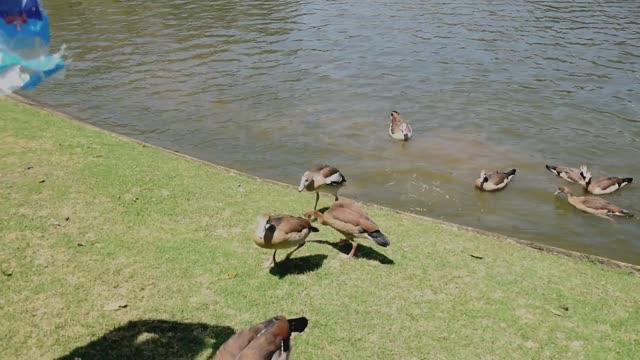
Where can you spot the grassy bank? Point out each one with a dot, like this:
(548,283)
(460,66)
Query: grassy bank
(90,222)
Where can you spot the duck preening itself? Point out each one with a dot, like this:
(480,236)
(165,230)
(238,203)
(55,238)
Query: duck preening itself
(352,222)
(322,177)
(398,128)
(570,174)
(269,340)
(282,232)
(592,204)
(494,181)
(602,184)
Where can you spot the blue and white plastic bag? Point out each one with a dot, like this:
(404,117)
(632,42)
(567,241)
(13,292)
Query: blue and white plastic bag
(24,46)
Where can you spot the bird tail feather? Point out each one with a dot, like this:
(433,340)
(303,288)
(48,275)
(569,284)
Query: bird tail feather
(379,238)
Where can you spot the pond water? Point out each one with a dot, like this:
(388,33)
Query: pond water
(272,87)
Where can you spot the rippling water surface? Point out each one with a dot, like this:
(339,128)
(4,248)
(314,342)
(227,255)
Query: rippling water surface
(271,87)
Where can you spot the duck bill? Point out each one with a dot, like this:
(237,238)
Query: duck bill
(302,185)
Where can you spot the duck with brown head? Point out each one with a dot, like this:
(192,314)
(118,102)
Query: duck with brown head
(269,340)
(494,181)
(348,218)
(398,128)
(592,204)
(322,177)
(282,232)
(601,185)
(570,174)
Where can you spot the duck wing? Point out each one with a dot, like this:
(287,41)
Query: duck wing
(332,175)
(605,182)
(291,224)
(352,217)
(597,203)
(238,342)
(570,174)
(348,217)
(497,178)
(263,340)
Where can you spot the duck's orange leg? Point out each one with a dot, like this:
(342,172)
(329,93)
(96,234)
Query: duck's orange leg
(294,250)
(353,248)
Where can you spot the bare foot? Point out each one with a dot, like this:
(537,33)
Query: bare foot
(268,264)
(345,256)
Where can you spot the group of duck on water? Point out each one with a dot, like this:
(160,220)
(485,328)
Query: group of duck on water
(271,338)
(595,185)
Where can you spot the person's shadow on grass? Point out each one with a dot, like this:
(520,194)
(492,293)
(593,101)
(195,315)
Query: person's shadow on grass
(362,251)
(298,265)
(154,339)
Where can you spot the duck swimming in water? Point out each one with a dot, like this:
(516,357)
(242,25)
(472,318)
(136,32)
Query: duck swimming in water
(398,128)
(494,181)
(601,185)
(592,204)
(570,174)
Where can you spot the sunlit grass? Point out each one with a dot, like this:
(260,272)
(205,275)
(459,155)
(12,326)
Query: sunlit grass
(88,219)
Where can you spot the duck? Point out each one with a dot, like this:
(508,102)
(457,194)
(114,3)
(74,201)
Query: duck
(348,218)
(494,181)
(282,232)
(570,174)
(398,128)
(602,184)
(271,339)
(592,204)
(322,177)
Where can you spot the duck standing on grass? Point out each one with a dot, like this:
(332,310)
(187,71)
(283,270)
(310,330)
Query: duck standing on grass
(602,184)
(270,339)
(282,232)
(592,204)
(494,181)
(322,177)
(352,222)
(398,128)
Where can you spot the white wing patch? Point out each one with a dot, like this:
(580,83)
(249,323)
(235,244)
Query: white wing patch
(335,178)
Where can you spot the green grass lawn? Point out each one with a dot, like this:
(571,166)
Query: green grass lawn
(89,220)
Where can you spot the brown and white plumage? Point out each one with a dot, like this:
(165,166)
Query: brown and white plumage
(322,177)
(570,174)
(398,128)
(282,232)
(592,204)
(352,222)
(494,181)
(601,185)
(269,340)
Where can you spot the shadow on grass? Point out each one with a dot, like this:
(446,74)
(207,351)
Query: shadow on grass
(298,265)
(154,339)
(324,209)
(362,251)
